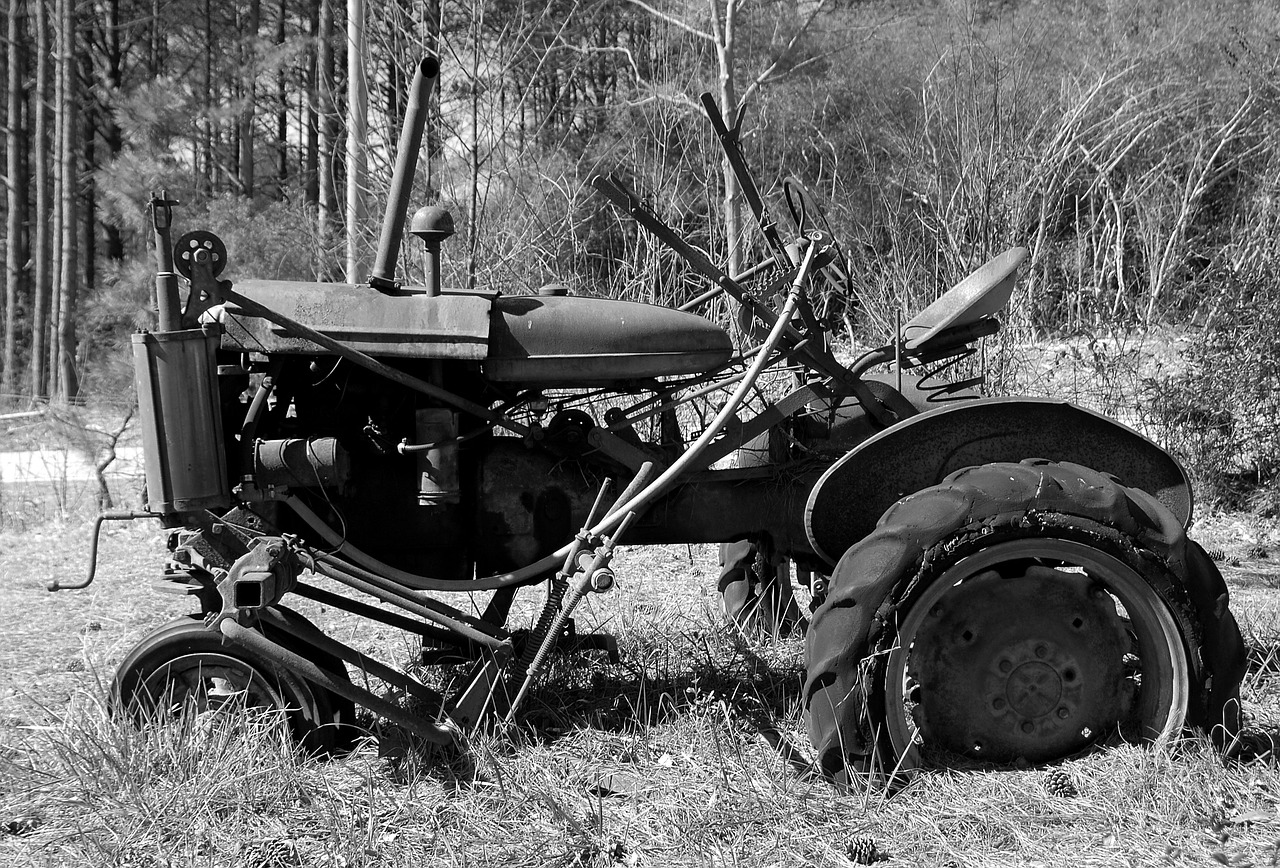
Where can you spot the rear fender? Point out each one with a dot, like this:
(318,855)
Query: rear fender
(853,493)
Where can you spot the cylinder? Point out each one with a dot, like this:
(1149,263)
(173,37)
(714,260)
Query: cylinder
(437,466)
(318,462)
(176,374)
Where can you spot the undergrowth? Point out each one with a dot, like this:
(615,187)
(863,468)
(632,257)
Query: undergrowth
(689,752)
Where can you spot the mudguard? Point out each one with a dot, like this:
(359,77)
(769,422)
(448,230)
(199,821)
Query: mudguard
(853,493)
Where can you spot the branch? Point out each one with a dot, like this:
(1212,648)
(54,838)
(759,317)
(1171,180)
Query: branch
(672,20)
(768,76)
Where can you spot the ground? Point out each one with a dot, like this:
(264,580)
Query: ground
(691,751)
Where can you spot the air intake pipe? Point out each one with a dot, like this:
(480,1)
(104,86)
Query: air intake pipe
(415,121)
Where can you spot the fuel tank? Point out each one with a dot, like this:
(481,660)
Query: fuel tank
(536,340)
(574,341)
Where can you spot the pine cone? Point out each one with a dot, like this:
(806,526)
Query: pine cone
(862,851)
(1058,782)
(1258,551)
(1216,555)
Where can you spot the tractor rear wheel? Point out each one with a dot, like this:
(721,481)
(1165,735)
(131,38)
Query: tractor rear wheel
(1018,614)
(182,667)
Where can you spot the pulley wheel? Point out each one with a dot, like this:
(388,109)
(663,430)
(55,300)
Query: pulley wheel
(185,251)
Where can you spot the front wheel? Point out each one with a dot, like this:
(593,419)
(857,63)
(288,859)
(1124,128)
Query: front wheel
(1018,613)
(182,666)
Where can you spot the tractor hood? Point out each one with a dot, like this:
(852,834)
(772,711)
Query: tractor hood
(542,340)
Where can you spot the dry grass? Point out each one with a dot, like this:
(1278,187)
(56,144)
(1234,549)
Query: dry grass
(691,751)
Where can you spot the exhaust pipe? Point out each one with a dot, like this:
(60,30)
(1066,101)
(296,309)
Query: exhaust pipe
(415,121)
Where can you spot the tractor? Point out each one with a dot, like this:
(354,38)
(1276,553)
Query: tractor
(995,581)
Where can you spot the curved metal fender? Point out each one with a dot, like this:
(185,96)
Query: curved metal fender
(849,499)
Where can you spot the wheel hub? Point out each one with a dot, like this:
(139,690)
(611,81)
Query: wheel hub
(1023,666)
(1033,689)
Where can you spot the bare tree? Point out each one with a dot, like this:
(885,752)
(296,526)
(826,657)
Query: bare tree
(721,32)
(249,58)
(327,194)
(357,137)
(43,212)
(16,196)
(67,113)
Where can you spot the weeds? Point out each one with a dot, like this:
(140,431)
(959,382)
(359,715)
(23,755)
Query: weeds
(691,751)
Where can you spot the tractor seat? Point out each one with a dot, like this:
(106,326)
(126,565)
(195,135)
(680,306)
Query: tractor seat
(982,293)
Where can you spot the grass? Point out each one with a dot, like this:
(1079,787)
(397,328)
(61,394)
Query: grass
(691,751)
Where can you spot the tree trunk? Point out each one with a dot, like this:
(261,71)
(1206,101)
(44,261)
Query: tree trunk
(327,194)
(107,126)
(311,153)
(43,213)
(56,238)
(68,387)
(15,199)
(433,126)
(155,46)
(729,108)
(204,127)
(89,216)
(282,108)
(357,133)
(249,71)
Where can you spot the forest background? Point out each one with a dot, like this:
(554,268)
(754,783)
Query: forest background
(1132,147)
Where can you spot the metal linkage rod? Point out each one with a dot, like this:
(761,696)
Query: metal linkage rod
(382,616)
(317,639)
(436,733)
(397,598)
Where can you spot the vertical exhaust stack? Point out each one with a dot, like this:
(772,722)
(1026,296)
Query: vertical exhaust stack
(384,270)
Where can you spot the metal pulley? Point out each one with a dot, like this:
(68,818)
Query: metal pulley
(199,244)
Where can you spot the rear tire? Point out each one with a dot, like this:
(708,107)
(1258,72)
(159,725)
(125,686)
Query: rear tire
(1018,613)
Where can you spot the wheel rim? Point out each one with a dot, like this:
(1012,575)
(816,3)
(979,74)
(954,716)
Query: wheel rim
(209,681)
(1032,650)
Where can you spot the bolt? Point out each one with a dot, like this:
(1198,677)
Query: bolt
(998,703)
(1086,732)
(1028,726)
(1041,651)
(1006,666)
(1063,713)
(977,747)
(936,612)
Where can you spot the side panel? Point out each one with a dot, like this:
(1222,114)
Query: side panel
(176,374)
(454,325)
(854,492)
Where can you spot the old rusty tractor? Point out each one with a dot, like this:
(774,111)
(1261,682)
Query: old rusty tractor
(996,580)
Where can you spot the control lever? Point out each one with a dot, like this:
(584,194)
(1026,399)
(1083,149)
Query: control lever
(731,141)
